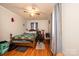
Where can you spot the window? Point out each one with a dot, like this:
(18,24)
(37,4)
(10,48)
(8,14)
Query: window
(34,25)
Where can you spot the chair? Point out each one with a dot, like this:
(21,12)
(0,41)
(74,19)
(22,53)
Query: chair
(4,46)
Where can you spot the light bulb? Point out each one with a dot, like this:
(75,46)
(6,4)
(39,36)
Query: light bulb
(32,14)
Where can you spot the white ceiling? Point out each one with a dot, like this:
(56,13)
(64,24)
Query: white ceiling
(18,8)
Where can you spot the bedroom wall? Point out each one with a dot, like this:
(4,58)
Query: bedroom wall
(42,24)
(70,29)
(7,27)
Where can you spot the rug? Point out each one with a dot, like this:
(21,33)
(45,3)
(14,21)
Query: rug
(21,49)
(40,45)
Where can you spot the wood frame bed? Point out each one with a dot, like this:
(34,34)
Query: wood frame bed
(30,43)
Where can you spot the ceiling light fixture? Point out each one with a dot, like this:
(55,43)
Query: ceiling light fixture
(32,11)
(32,14)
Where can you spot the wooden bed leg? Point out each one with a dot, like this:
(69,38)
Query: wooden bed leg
(10,38)
(10,35)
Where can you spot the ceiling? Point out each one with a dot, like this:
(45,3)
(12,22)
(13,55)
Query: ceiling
(18,8)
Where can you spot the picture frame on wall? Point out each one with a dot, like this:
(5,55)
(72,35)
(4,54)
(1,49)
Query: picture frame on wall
(12,19)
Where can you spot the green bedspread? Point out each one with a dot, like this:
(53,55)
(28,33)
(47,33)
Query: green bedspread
(25,36)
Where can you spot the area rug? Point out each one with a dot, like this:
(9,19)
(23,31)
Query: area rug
(40,45)
(21,49)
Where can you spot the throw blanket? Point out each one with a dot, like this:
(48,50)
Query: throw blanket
(25,36)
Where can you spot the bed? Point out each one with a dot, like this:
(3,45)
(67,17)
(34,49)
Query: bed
(26,39)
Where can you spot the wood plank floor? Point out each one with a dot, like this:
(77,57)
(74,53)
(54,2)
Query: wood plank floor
(31,52)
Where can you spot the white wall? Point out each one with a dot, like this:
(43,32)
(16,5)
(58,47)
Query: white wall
(70,29)
(7,27)
(50,26)
(42,24)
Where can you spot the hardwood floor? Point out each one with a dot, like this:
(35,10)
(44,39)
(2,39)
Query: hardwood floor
(31,52)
